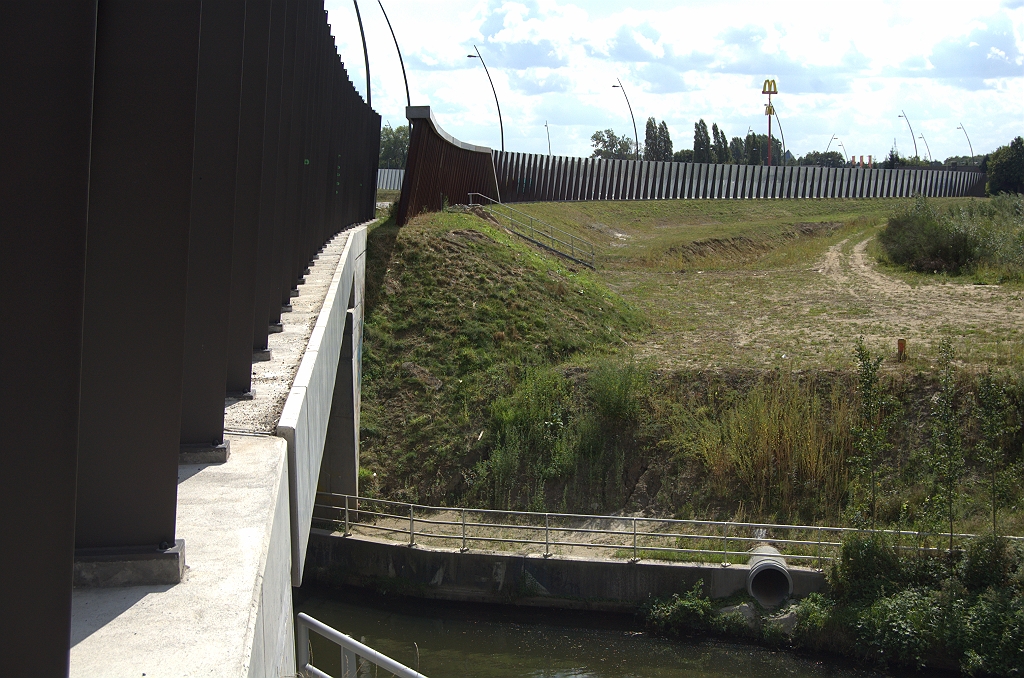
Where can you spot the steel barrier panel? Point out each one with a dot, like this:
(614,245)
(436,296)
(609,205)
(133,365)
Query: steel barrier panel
(139,203)
(268,306)
(211,233)
(48,52)
(440,166)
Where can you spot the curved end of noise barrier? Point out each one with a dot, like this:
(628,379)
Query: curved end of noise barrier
(441,169)
(768,581)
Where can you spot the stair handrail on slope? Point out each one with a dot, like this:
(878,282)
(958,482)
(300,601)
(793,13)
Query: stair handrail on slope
(541,233)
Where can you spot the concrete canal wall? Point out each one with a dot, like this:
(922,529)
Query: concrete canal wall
(556,581)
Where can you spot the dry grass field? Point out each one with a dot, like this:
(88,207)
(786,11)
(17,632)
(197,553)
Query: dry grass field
(756,284)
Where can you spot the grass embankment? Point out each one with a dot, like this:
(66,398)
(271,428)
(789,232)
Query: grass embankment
(497,376)
(459,315)
(708,369)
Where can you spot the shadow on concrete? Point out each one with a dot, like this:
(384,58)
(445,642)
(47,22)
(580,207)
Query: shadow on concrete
(186,471)
(380,246)
(92,609)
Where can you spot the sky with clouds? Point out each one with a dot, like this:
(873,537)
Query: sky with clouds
(843,68)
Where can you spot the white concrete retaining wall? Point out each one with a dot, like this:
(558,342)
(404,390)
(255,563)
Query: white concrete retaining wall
(308,408)
(273,627)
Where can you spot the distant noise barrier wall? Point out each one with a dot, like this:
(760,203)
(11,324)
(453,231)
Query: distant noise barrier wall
(529,177)
(169,171)
(390,179)
(441,168)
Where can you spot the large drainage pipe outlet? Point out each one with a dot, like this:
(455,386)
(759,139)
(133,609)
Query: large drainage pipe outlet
(769,581)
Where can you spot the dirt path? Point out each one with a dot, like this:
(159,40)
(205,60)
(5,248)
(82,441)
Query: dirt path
(812,314)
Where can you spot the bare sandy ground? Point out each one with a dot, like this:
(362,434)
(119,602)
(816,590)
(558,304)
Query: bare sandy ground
(811,316)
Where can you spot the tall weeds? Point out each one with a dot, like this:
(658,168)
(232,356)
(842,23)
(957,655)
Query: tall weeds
(782,448)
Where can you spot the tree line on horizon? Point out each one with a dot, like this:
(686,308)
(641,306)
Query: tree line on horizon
(712,146)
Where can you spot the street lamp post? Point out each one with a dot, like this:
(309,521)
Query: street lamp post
(501,125)
(961,128)
(834,138)
(366,55)
(635,135)
(926,147)
(548,130)
(783,135)
(408,99)
(845,154)
(904,116)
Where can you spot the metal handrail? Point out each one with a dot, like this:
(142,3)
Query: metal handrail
(571,247)
(633,532)
(350,650)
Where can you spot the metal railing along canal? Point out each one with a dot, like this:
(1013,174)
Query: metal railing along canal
(626,537)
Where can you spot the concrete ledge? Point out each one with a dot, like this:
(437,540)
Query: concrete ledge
(488,577)
(275,328)
(205,454)
(261,356)
(127,566)
(231,614)
(307,410)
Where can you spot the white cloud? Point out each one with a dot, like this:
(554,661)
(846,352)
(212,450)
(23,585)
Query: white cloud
(842,68)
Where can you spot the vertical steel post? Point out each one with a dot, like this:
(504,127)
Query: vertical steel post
(547,540)
(47,51)
(725,544)
(464,530)
(212,223)
(140,192)
(346,516)
(635,558)
(412,527)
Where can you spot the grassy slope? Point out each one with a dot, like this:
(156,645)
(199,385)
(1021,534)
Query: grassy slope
(448,384)
(456,311)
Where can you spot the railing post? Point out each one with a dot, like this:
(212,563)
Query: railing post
(349,664)
(725,544)
(412,527)
(346,516)
(302,644)
(547,540)
(464,531)
(636,558)
(819,548)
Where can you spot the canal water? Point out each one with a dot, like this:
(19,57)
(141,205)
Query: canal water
(504,642)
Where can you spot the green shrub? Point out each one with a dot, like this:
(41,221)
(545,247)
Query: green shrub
(989,561)
(681,615)
(868,568)
(918,238)
(968,235)
(995,635)
(899,629)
